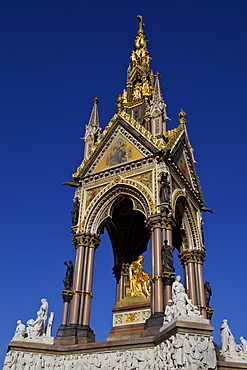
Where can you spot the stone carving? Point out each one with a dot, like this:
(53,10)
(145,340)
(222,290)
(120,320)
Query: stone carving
(169,312)
(180,351)
(243,348)
(19,331)
(186,351)
(75,212)
(10,360)
(208,292)
(44,310)
(68,280)
(176,286)
(36,327)
(230,350)
(167,257)
(139,279)
(180,305)
(36,330)
(164,192)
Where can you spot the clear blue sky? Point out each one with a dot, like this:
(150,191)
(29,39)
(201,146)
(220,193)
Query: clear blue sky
(56,56)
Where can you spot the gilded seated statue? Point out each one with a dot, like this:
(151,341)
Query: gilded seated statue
(139,279)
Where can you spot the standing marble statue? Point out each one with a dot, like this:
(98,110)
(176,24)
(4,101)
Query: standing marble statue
(182,301)
(44,309)
(225,334)
(176,287)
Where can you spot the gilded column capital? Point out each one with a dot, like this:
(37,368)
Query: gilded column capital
(192,256)
(161,221)
(86,240)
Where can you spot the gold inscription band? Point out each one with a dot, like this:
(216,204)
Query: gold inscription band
(165,274)
(80,292)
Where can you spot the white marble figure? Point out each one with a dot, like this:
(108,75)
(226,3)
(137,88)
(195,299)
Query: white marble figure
(211,359)
(30,364)
(181,306)
(176,287)
(35,327)
(233,349)
(21,361)
(10,361)
(179,356)
(230,350)
(243,348)
(225,334)
(44,312)
(181,301)
(19,331)
(169,312)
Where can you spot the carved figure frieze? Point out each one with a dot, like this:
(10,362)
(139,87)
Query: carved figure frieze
(180,351)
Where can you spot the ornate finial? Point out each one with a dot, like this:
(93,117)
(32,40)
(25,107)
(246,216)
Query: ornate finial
(141,24)
(182,116)
(157,75)
(96,100)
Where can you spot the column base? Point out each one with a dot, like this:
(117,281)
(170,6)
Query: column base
(74,334)
(153,324)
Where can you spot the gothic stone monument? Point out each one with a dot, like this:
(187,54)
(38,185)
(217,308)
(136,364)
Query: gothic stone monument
(137,181)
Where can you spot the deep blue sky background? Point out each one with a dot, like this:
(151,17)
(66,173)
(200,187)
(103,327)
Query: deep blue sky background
(56,56)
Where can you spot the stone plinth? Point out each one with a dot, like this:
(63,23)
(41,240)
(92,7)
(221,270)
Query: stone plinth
(184,324)
(229,365)
(129,316)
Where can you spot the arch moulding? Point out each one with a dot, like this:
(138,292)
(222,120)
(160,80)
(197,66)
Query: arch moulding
(103,204)
(190,222)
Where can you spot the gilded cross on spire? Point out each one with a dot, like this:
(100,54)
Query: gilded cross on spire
(141,24)
(157,75)
(96,100)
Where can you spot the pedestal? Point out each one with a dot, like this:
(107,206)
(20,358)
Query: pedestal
(129,316)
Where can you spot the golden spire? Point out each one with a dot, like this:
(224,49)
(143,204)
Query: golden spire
(140,82)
